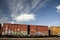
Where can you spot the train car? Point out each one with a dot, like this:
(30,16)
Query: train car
(55,30)
(23,30)
(38,30)
(15,30)
(0,29)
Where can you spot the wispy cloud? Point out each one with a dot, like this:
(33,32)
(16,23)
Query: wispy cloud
(1,11)
(23,7)
(20,8)
(16,6)
(34,3)
(3,18)
(53,23)
(58,8)
(40,4)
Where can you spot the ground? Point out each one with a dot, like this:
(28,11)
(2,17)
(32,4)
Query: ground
(54,38)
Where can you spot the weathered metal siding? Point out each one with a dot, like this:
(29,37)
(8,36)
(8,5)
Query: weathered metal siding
(38,30)
(55,30)
(22,29)
(43,30)
(32,29)
(0,29)
(14,29)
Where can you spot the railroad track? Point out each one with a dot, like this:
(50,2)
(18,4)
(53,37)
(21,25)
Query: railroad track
(51,38)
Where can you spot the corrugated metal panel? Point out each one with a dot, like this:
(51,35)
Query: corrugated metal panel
(0,26)
(14,29)
(32,29)
(0,29)
(42,30)
(38,30)
(10,26)
(55,30)
(5,29)
(23,29)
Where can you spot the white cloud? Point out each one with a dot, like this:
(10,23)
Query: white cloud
(25,17)
(34,3)
(17,6)
(20,8)
(40,4)
(12,22)
(58,8)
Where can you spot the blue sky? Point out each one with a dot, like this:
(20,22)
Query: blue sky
(36,12)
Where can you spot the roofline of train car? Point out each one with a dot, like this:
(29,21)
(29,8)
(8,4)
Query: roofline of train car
(29,24)
(23,24)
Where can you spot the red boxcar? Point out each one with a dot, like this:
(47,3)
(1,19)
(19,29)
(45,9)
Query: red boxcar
(38,30)
(23,29)
(14,29)
(0,29)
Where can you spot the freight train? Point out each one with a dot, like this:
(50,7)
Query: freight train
(23,30)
